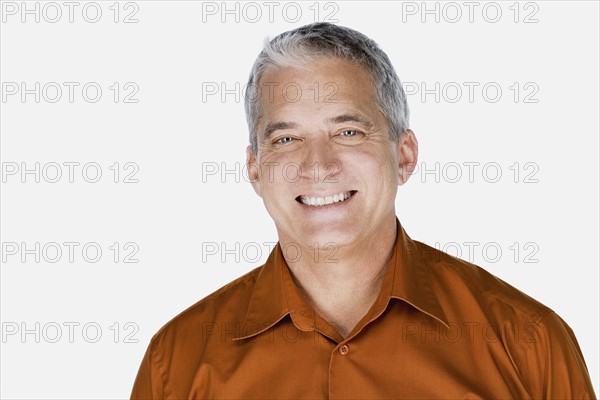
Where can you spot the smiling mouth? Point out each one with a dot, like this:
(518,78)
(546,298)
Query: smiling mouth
(327,200)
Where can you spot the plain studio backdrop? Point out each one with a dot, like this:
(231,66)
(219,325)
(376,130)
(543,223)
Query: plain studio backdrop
(125,200)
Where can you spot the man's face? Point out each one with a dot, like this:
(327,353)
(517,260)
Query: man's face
(322,139)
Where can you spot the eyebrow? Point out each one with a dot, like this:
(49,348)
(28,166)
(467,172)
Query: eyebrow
(276,126)
(340,119)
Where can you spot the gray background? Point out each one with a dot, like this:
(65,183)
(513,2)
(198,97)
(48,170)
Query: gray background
(543,220)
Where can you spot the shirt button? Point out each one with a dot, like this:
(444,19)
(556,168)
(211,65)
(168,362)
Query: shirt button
(344,350)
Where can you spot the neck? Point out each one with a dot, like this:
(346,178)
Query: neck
(343,279)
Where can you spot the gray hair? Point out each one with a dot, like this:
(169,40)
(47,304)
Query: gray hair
(308,42)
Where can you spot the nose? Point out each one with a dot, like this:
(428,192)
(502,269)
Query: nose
(320,161)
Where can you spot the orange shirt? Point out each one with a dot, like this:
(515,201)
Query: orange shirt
(441,328)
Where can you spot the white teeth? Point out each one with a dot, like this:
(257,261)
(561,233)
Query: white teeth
(322,201)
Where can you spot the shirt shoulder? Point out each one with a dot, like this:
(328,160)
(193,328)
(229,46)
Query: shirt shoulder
(175,351)
(539,344)
(228,304)
(462,285)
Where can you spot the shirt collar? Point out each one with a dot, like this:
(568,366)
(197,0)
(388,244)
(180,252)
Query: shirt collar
(412,280)
(275,295)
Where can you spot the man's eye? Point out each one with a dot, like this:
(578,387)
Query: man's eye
(350,133)
(349,137)
(284,140)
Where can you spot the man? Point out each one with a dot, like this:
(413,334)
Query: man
(347,304)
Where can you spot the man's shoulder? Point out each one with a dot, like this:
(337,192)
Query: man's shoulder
(458,281)
(228,304)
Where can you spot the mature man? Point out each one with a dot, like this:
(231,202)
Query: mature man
(347,305)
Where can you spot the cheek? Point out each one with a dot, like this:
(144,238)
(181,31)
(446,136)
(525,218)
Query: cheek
(276,189)
(280,169)
(373,162)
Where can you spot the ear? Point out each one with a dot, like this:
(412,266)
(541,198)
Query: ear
(253,170)
(408,152)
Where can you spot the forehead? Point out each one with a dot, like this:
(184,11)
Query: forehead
(344,73)
(324,85)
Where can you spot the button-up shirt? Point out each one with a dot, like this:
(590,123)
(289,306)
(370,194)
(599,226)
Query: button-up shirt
(440,328)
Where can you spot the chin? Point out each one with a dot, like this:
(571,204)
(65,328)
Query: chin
(327,237)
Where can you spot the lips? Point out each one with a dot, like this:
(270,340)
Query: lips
(315,201)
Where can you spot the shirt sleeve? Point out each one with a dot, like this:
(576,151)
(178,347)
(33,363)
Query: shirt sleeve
(148,382)
(553,365)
